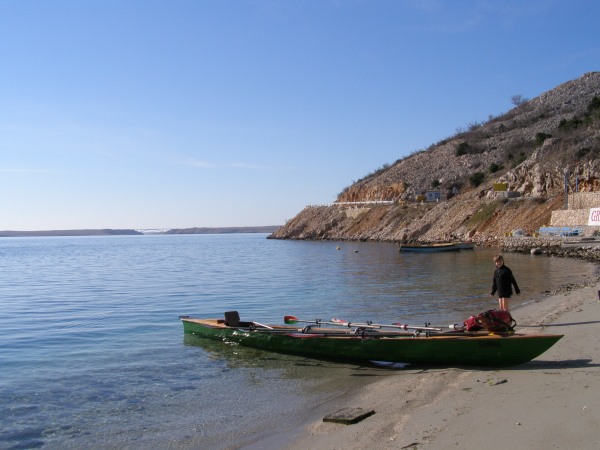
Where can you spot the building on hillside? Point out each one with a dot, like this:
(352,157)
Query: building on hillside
(501,190)
(433,195)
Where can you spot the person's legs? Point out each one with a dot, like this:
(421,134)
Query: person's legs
(503,303)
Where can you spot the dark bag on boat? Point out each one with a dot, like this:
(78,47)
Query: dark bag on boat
(492,320)
(496,320)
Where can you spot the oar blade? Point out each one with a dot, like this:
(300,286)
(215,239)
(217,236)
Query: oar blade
(339,322)
(290,319)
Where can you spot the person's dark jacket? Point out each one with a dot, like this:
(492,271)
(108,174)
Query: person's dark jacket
(503,282)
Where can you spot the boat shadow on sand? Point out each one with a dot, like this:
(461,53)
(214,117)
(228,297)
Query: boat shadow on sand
(569,324)
(583,363)
(531,365)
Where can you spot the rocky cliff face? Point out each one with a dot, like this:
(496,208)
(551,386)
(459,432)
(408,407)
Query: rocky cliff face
(531,150)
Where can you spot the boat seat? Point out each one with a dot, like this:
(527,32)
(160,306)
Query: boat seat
(232,319)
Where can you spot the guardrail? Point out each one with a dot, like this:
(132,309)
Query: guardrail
(560,231)
(374,202)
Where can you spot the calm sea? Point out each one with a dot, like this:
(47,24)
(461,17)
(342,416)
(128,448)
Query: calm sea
(92,354)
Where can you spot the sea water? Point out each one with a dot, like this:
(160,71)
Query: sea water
(92,354)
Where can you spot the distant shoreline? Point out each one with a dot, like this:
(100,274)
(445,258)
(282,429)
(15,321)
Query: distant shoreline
(131,232)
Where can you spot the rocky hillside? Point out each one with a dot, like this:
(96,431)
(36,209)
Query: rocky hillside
(530,150)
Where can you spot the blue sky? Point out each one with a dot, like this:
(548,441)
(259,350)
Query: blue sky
(181,113)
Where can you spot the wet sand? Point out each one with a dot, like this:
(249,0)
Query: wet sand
(550,402)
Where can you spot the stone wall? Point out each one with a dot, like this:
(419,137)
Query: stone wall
(584,200)
(579,210)
(569,218)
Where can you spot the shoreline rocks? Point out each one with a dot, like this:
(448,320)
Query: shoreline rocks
(585,250)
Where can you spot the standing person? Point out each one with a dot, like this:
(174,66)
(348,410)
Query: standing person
(503,283)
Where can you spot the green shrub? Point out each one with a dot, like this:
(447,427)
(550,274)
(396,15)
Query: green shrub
(462,149)
(476,179)
(522,157)
(593,111)
(582,152)
(594,104)
(495,167)
(465,148)
(570,125)
(540,138)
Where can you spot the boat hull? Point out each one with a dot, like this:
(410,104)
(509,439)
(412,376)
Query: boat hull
(434,248)
(459,349)
(430,248)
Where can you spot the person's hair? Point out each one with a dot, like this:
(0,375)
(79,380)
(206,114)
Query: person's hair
(498,258)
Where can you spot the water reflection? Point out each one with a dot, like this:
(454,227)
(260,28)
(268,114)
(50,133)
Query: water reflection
(292,367)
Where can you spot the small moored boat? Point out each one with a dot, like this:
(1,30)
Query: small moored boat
(372,342)
(430,248)
(437,247)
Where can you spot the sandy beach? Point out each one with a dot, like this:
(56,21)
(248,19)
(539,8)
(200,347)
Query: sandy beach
(550,402)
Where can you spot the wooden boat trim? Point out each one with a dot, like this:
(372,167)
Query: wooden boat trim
(337,333)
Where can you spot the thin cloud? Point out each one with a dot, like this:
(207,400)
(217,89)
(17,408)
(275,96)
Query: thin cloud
(200,164)
(24,171)
(576,56)
(239,165)
(249,166)
(447,19)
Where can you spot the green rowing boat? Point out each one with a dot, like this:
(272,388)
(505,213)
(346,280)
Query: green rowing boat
(423,346)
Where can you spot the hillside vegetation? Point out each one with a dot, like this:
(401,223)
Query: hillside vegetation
(532,149)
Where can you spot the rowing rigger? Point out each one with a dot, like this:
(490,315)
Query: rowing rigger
(344,323)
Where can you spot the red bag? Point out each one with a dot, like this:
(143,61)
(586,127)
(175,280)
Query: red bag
(496,320)
(492,320)
(471,324)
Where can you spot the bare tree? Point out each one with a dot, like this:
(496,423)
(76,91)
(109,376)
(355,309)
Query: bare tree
(518,100)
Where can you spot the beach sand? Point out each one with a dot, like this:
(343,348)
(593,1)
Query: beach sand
(550,402)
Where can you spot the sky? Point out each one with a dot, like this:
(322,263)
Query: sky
(148,114)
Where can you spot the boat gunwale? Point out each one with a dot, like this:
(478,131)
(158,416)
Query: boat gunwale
(333,333)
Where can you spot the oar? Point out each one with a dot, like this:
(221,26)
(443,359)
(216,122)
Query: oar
(293,320)
(397,325)
(261,325)
(343,323)
(454,327)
